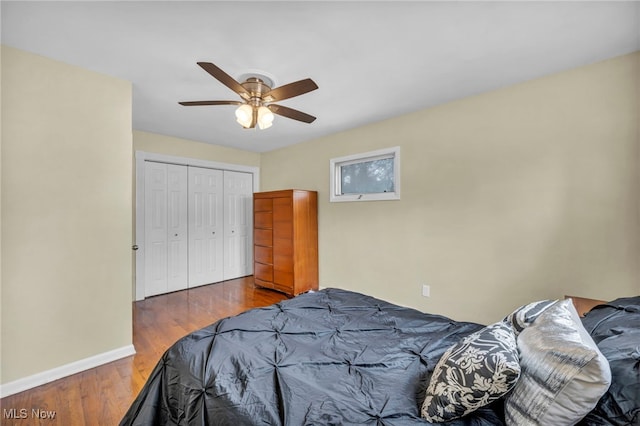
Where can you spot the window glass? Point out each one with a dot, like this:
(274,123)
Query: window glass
(367,177)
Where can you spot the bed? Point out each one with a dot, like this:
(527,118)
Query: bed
(336,357)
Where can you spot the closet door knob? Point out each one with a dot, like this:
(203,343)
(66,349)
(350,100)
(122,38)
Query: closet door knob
(134,247)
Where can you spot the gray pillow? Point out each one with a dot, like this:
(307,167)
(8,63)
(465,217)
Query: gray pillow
(472,373)
(563,372)
(522,317)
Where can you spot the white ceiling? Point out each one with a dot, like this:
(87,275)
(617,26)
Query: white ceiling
(372,60)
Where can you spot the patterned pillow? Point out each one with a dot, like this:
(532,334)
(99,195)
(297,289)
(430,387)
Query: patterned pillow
(563,372)
(522,317)
(472,373)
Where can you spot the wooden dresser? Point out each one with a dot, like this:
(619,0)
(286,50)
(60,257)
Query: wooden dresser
(285,239)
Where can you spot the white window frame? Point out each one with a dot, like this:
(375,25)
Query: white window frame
(335,194)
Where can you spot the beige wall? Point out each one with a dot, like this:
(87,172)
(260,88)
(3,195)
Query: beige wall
(66,214)
(168,145)
(520,194)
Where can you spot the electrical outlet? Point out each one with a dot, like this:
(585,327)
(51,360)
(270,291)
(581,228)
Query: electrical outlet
(426,290)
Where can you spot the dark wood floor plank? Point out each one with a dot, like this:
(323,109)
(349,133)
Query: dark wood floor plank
(102,395)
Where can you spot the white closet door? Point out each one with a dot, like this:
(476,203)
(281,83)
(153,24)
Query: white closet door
(165,230)
(238,218)
(177,235)
(205,226)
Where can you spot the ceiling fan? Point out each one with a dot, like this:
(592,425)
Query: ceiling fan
(256,107)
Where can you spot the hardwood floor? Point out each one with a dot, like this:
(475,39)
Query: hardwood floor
(102,395)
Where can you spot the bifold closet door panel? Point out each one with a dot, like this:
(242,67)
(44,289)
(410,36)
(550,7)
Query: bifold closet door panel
(206,226)
(238,224)
(166,236)
(178,237)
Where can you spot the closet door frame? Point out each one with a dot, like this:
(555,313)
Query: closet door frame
(141,157)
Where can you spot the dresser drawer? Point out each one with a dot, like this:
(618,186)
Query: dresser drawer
(263,254)
(262,205)
(263,237)
(263,272)
(263,220)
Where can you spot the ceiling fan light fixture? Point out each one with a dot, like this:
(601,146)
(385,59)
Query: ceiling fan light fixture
(244,115)
(256,107)
(265,118)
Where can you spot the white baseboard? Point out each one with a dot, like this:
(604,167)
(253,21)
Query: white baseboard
(44,377)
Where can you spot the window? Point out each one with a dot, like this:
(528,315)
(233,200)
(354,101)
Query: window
(368,176)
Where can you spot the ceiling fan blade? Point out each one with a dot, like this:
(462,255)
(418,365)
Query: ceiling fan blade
(291,113)
(199,103)
(225,79)
(290,90)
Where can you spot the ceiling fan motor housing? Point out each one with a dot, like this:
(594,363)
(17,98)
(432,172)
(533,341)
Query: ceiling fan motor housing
(256,88)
